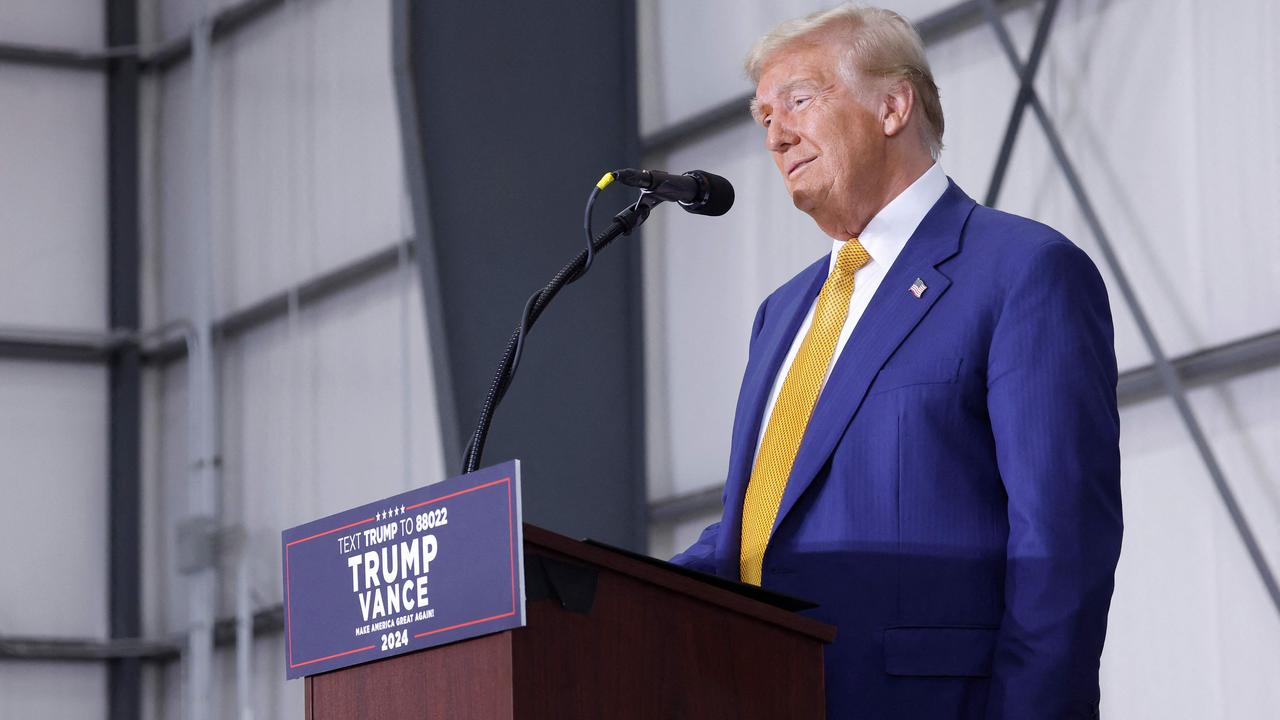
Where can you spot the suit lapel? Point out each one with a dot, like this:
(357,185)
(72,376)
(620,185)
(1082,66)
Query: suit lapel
(774,341)
(890,317)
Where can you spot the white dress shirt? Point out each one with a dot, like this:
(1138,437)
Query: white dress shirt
(883,238)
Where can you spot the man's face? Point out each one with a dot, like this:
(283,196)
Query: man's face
(828,144)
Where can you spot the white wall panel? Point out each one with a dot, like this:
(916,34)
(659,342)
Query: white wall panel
(1193,633)
(53,441)
(309,176)
(171,18)
(52,690)
(52,198)
(61,23)
(306,172)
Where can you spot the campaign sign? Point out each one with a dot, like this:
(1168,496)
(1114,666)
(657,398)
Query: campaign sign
(427,567)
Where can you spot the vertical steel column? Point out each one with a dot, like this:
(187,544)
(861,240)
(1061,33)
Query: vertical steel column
(1164,369)
(124,429)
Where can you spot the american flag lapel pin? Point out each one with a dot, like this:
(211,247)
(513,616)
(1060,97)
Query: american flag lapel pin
(918,287)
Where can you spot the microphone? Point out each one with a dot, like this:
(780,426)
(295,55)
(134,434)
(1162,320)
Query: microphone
(697,191)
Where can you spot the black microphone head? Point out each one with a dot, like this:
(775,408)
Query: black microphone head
(717,196)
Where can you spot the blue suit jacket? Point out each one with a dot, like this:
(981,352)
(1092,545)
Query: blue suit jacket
(955,504)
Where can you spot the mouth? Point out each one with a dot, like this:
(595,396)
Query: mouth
(796,166)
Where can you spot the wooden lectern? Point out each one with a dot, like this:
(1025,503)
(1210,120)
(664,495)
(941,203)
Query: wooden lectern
(608,636)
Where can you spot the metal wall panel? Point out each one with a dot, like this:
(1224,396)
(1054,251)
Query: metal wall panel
(47,690)
(1192,633)
(52,204)
(63,23)
(306,162)
(54,445)
(171,18)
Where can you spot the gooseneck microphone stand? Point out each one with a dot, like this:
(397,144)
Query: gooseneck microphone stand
(623,223)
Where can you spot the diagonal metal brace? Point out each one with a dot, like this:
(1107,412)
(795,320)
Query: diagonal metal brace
(1164,369)
(1026,88)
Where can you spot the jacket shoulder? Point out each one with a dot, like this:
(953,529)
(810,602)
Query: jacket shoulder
(1010,243)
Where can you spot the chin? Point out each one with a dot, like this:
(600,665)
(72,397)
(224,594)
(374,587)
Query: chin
(809,199)
(802,200)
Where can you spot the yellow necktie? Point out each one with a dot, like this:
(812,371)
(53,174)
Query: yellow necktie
(791,412)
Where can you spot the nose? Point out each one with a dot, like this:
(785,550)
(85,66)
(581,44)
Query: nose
(779,137)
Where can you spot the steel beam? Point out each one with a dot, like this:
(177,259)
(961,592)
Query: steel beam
(124,431)
(56,346)
(1204,367)
(53,57)
(82,650)
(934,28)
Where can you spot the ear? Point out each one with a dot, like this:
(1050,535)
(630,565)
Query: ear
(897,105)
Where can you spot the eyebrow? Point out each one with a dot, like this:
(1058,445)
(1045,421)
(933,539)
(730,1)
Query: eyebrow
(782,90)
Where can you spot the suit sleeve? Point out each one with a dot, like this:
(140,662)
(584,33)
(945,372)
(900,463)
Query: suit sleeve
(701,555)
(1052,402)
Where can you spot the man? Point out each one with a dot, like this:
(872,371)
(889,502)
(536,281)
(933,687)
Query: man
(926,438)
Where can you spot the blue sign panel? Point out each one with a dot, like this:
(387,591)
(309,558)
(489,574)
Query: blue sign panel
(427,567)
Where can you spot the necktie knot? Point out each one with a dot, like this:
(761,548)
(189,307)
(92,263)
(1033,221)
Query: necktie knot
(851,257)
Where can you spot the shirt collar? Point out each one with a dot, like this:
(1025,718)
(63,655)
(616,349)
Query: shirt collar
(888,232)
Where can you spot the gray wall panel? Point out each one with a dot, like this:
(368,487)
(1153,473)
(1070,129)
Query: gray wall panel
(53,441)
(52,203)
(64,23)
(46,690)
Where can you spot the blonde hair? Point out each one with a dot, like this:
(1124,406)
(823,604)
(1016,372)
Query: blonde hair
(880,44)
